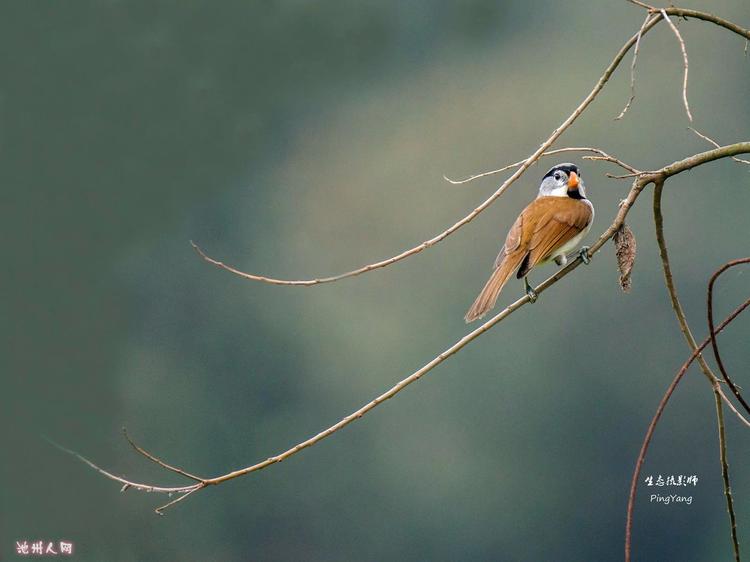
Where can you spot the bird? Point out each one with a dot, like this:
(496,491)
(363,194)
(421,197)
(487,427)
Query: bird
(548,228)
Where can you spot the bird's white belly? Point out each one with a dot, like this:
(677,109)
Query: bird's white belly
(571,244)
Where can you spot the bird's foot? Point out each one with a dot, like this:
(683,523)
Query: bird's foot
(531,293)
(584,253)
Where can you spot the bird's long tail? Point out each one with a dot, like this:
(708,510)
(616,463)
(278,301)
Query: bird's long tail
(487,298)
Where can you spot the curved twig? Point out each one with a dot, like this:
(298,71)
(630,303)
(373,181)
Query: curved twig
(725,475)
(705,16)
(714,345)
(127,484)
(158,461)
(603,156)
(684,61)
(716,144)
(731,406)
(160,510)
(632,70)
(697,14)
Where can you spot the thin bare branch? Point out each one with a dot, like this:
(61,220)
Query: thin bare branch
(157,460)
(632,69)
(716,144)
(723,457)
(607,158)
(670,285)
(124,481)
(704,157)
(602,156)
(705,16)
(732,407)
(697,14)
(655,420)
(676,31)
(603,79)
(160,510)
(626,176)
(643,5)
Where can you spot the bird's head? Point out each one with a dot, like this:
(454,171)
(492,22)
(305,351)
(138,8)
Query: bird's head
(563,180)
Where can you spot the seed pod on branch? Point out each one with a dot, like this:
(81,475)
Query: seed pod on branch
(625,249)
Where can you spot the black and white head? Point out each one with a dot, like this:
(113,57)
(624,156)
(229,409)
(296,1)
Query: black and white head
(563,180)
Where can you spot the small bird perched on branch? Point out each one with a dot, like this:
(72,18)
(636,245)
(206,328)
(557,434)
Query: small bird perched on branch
(546,230)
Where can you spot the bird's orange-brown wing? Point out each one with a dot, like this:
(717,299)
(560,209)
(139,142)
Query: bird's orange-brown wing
(513,240)
(510,258)
(558,220)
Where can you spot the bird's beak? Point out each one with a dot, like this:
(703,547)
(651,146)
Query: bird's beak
(573,181)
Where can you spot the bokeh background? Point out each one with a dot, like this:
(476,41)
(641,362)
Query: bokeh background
(301,139)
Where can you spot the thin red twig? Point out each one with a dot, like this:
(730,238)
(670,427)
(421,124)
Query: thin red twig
(712,333)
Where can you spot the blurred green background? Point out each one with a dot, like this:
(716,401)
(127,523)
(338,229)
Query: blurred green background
(301,139)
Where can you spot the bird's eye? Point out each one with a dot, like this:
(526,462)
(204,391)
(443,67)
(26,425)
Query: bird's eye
(558,175)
